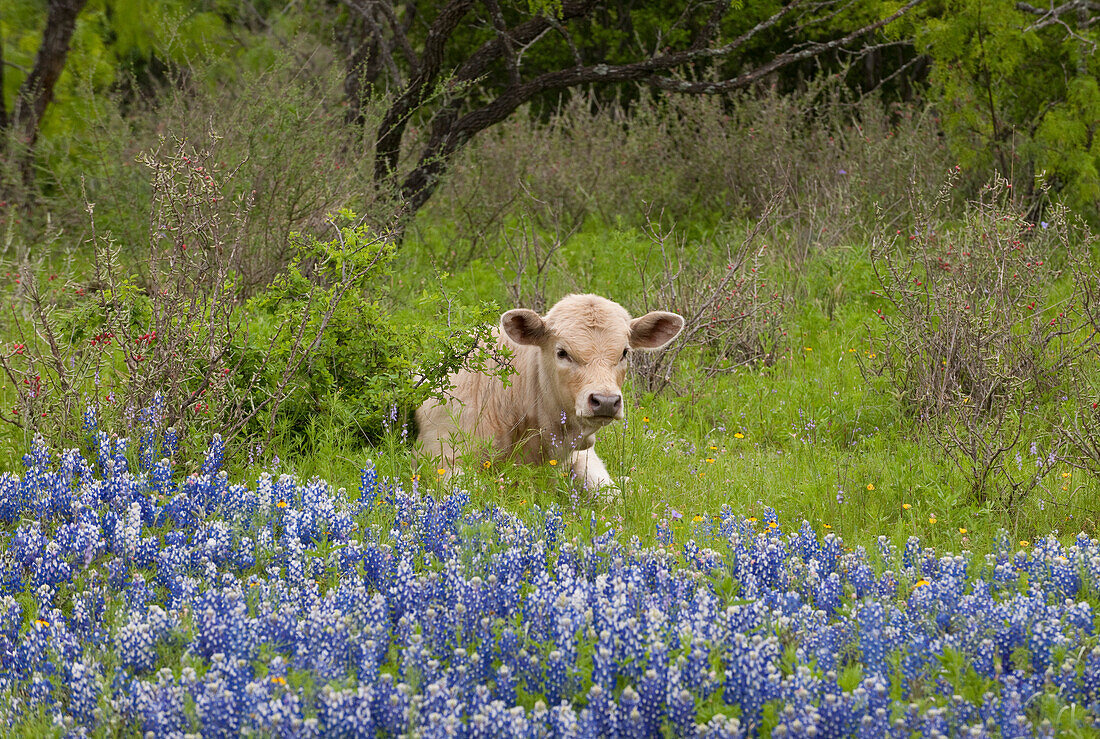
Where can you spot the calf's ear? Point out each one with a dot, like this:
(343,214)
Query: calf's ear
(655,329)
(524,326)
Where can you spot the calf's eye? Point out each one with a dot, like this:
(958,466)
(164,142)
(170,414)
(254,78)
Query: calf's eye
(562,354)
(625,351)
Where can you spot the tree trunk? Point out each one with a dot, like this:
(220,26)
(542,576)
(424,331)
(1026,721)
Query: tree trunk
(3,107)
(36,92)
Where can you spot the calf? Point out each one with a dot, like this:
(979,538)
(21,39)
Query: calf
(569,368)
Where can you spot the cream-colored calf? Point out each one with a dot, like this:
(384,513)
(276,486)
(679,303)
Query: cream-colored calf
(569,369)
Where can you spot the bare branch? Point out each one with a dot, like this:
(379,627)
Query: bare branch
(392,129)
(506,42)
(401,31)
(523,35)
(564,33)
(1073,5)
(778,62)
(381,44)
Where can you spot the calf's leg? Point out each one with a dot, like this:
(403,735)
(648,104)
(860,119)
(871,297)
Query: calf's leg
(590,472)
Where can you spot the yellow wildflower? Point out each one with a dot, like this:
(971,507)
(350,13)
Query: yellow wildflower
(921,582)
(553,462)
(870,486)
(906,506)
(739,435)
(962,531)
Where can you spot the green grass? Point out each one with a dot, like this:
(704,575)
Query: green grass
(791,437)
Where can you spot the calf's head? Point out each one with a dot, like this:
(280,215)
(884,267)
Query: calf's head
(584,343)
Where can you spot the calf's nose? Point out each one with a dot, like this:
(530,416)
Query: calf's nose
(605,405)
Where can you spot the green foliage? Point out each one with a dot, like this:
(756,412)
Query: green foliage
(369,360)
(1018,95)
(111,39)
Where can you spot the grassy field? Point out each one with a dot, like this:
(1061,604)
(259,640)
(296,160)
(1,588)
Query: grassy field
(813,436)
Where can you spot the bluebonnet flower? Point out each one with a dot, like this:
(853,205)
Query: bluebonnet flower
(170,443)
(157,706)
(84,691)
(215,454)
(136,641)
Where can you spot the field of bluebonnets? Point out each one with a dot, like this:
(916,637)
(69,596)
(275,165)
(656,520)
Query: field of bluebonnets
(860,494)
(137,597)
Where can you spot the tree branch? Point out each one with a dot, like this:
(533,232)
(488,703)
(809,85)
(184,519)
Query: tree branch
(777,62)
(400,32)
(392,129)
(506,42)
(379,43)
(521,35)
(451,128)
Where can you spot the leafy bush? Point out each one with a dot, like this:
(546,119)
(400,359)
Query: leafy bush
(364,358)
(1016,88)
(321,342)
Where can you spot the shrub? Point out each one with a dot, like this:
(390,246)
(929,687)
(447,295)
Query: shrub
(364,359)
(971,332)
(1016,88)
(123,337)
(825,158)
(277,135)
(732,312)
(322,341)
